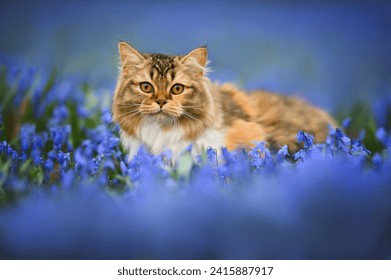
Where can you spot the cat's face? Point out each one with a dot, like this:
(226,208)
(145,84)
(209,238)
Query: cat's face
(165,89)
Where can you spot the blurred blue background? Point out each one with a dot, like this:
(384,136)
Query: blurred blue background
(334,53)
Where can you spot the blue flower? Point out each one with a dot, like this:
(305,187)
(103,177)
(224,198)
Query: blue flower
(24,142)
(346,123)
(283,151)
(14,155)
(60,136)
(358,148)
(63,158)
(80,159)
(52,155)
(82,112)
(63,91)
(38,142)
(36,155)
(3,146)
(258,150)
(302,155)
(381,134)
(106,117)
(23,157)
(109,164)
(257,162)
(27,131)
(212,155)
(224,172)
(260,156)
(377,160)
(124,168)
(12,74)
(49,165)
(60,114)
(383,137)
(269,162)
(8,151)
(228,157)
(341,141)
(306,138)
(24,79)
(68,178)
(103,179)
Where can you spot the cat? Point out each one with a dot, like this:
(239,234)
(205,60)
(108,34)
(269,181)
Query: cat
(165,102)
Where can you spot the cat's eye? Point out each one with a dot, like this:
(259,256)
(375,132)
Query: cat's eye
(177,89)
(146,87)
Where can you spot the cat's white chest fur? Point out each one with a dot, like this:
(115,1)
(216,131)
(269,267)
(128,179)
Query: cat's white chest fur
(157,140)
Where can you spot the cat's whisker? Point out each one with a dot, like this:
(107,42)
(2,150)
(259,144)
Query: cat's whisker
(140,118)
(114,127)
(202,111)
(131,110)
(196,123)
(127,113)
(192,106)
(124,107)
(171,112)
(173,122)
(125,103)
(195,118)
(176,122)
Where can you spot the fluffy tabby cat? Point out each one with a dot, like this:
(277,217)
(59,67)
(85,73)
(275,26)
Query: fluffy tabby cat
(167,102)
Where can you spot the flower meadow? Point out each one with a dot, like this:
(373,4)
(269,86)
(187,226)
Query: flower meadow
(69,191)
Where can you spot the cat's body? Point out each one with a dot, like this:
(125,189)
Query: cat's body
(167,102)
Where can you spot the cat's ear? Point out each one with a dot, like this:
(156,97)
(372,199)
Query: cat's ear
(197,57)
(129,55)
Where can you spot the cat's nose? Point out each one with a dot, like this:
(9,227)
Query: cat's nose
(161,102)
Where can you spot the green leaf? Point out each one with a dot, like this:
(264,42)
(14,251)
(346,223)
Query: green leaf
(37,175)
(204,156)
(185,164)
(76,132)
(4,169)
(25,167)
(6,93)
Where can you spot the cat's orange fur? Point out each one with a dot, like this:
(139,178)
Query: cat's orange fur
(204,114)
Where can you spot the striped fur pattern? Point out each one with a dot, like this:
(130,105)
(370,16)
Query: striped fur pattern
(167,102)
